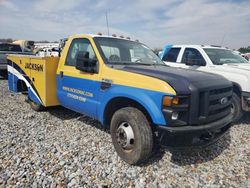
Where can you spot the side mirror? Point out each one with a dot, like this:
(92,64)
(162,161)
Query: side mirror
(85,64)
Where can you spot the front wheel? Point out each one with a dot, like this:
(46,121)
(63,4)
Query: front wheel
(131,135)
(236,108)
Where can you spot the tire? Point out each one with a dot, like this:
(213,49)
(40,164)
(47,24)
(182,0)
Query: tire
(35,106)
(139,148)
(236,108)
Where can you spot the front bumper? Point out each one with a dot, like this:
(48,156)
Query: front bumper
(197,136)
(245,98)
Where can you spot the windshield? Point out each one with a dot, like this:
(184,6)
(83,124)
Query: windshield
(223,56)
(119,51)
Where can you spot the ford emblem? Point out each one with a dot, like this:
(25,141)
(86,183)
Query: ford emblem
(224,100)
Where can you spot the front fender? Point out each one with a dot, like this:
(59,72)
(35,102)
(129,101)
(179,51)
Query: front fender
(150,100)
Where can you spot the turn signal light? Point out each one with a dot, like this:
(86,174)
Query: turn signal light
(175,101)
(169,101)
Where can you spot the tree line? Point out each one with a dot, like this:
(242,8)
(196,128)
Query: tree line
(9,40)
(244,50)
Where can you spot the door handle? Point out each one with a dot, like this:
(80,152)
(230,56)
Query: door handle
(61,74)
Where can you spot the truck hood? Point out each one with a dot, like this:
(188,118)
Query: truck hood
(237,73)
(239,67)
(182,80)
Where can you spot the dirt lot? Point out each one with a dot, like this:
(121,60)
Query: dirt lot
(59,148)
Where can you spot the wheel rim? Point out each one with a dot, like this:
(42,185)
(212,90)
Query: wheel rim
(125,136)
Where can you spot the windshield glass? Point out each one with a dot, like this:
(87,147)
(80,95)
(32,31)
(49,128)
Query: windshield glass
(119,51)
(224,56)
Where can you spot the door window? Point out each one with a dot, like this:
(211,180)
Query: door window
(78,46)
(172,55)
(192,56)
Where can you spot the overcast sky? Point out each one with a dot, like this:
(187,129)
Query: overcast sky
(155,23)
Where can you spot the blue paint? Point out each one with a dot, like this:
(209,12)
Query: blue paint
(95,106)
(13,86)
(12,82)
(88,107)
(150,100)
(33,97)
(165,51)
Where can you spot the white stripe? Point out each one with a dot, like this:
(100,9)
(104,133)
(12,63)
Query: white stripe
(15,72)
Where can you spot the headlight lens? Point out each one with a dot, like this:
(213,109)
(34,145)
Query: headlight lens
(170,101)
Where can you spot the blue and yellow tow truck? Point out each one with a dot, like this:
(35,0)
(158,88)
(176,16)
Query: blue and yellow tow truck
(134,95)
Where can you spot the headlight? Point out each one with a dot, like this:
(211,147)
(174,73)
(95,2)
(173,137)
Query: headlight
(170,101)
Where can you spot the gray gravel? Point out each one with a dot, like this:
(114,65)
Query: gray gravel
(60,148)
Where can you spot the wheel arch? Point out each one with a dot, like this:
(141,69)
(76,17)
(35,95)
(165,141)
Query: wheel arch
(21,86)
(237,89)
(119,102)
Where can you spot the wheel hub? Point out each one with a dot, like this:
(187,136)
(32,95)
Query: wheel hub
(125,136)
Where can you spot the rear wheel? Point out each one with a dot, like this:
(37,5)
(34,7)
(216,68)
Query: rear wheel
(131,135)
(236,108)
(35,106)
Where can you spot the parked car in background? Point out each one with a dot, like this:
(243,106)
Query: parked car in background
(218,60)
(8,48)
(247,56)
(53,52)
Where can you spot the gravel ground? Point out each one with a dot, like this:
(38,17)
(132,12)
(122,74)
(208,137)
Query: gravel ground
(61,148)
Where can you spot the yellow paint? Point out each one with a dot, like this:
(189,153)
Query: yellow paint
(117,76)
(45,81)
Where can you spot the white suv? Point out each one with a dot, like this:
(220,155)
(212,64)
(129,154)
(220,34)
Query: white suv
(217,60)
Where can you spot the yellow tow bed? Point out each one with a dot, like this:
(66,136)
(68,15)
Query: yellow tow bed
(39,75)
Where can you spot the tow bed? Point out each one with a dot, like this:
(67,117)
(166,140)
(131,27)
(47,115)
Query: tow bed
(36,75)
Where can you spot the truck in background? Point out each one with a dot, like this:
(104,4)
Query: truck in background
(26,45)
(134,95)
(217,60)
(8,48)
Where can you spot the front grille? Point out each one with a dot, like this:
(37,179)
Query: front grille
(201,107)
(214,104)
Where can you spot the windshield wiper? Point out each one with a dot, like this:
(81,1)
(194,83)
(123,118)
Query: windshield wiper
(148,64)
(118,63)
(158,64)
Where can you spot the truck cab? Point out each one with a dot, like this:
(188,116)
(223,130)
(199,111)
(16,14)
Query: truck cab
(217,60)
(134,95)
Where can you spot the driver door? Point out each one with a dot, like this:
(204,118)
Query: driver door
(78,90)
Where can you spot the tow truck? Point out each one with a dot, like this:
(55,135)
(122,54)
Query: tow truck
(134,95)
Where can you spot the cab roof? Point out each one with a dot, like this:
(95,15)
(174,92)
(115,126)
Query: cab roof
(102,36)
(199,46)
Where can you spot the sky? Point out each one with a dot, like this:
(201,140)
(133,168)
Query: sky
(155,23)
